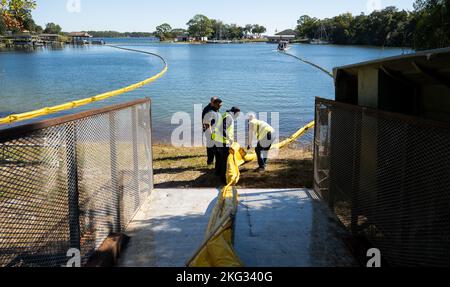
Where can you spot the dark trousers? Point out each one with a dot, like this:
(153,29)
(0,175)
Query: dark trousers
(222,154)
(211,151)
(262,150)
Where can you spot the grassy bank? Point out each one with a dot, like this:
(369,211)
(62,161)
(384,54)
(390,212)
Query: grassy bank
(187,168)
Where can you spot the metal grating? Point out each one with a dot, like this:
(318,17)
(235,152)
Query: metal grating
(71,182)
(387,177)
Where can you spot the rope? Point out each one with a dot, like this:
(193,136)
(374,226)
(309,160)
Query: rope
(73,104)
(310,63)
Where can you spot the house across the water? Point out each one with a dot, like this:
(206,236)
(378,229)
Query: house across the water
(80,38)
(286,35)
(184,38)
(26,39)
(50,38)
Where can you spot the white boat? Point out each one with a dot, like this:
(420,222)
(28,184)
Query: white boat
(319,42)
(283,46)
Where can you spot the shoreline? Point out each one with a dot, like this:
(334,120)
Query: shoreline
(3,45)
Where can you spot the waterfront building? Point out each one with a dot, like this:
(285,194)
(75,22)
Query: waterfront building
(79,38)
(50,38)
(184,38)
(26,39)
(286,35)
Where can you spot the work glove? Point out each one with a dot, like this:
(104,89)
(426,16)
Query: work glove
(249,147)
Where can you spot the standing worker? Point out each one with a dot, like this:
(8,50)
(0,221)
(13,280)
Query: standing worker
(223,137)
(209,118)
(265,136)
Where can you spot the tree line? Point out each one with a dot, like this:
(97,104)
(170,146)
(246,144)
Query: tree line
(201,26)
(427,27)
(115,34)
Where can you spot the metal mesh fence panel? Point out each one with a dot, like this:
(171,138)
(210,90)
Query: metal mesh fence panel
(71,182)
(388,179)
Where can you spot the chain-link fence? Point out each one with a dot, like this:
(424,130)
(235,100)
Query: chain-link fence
(71,182)
(387,177)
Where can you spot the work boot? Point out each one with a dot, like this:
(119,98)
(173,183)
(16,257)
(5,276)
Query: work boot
(260,169)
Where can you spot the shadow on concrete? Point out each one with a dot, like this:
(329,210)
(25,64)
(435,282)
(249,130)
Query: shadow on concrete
(169,236)
(288,228)
(207,179)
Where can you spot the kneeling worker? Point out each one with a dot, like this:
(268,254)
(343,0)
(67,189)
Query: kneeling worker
(265,136)
(223,137)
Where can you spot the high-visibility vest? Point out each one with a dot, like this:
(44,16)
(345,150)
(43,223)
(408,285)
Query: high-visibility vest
(218,133)
(261,128)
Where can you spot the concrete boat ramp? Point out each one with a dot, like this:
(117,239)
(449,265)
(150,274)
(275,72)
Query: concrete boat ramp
(274,228)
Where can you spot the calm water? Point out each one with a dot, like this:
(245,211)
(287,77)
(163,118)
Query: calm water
(254,77)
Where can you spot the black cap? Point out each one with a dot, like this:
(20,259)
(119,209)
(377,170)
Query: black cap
(235,110)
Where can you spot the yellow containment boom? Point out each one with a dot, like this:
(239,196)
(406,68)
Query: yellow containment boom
(217,250)
(73,104)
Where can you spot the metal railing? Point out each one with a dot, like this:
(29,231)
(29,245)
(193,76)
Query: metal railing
(72,181)
(387,178)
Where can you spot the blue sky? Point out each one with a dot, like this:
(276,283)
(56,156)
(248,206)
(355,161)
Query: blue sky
(145,15)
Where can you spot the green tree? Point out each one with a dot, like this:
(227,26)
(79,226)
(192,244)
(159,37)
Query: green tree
(307,27)
(177,32)
(2,24)
(52,28)
(163,32)
(200,26)
(432,24)
(30,25)
(258,30)
(248,29)
(339,28)
(219,29)
(17,14)
(358,30)
(235,32)
(19,9)
(401,31)
(388,27)
(115,34)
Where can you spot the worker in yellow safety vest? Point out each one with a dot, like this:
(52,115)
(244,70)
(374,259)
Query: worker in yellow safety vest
(223,137)
(265,136)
